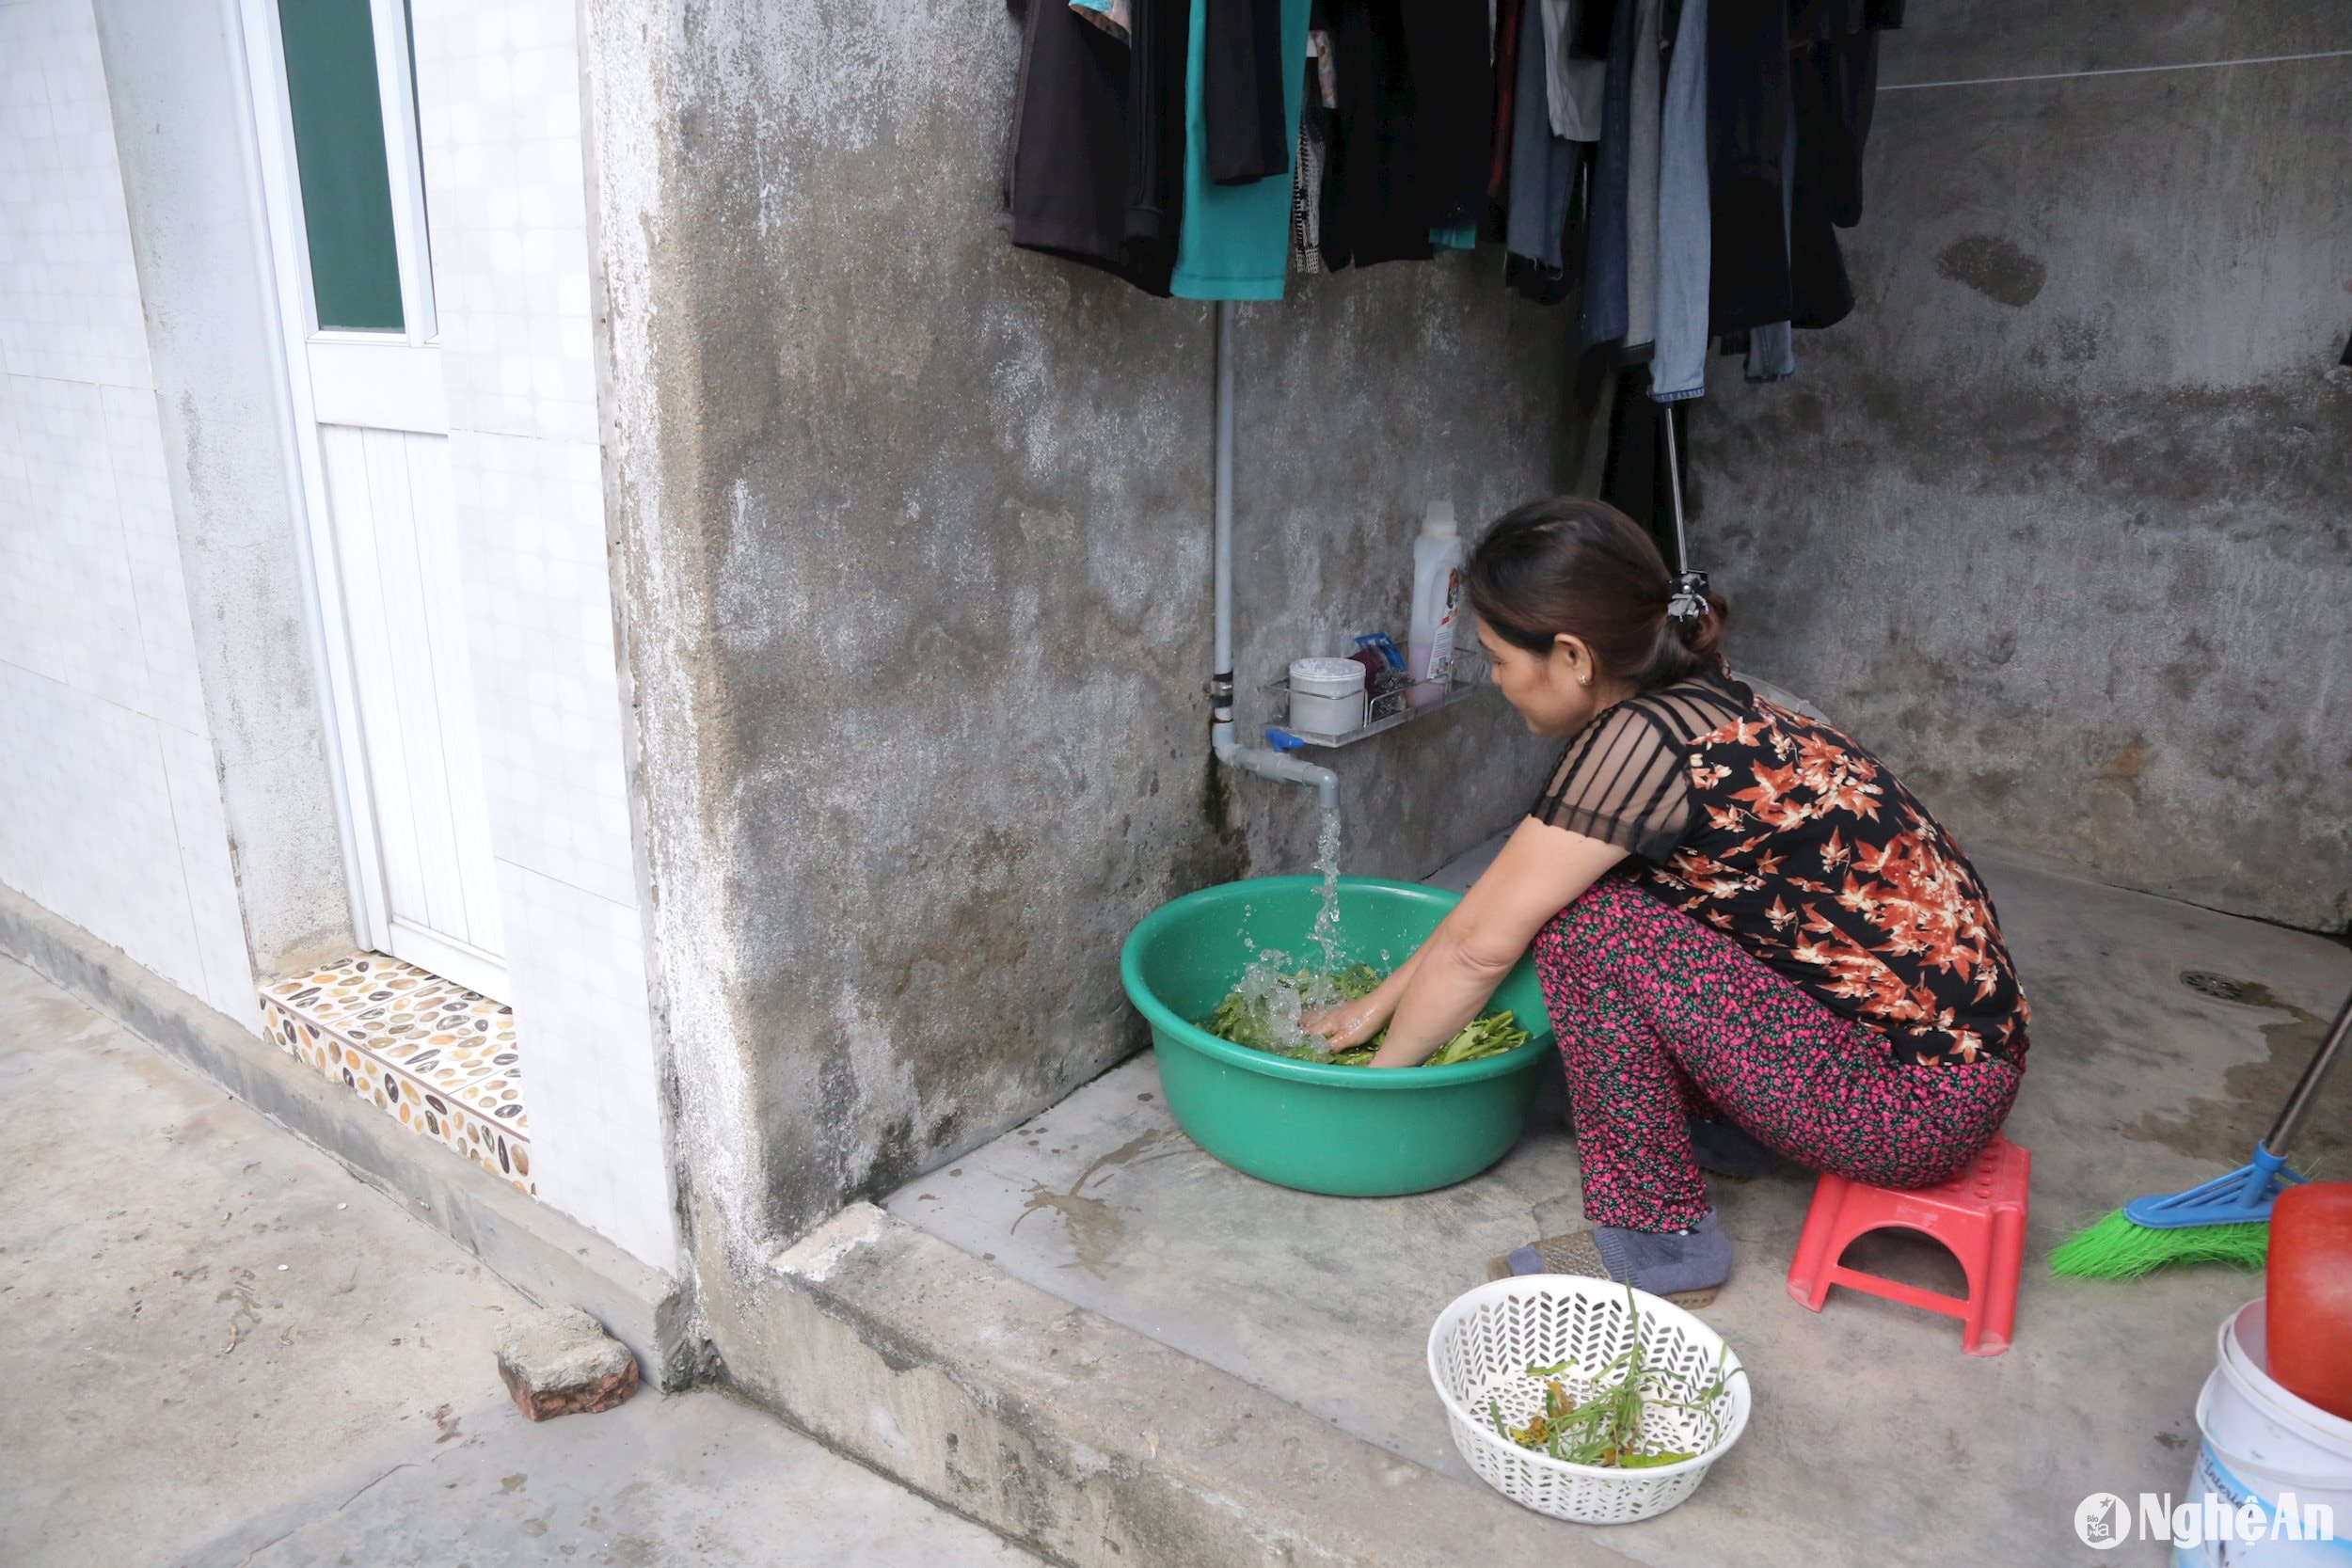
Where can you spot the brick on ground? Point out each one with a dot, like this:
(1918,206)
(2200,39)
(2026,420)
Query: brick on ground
(559,1361)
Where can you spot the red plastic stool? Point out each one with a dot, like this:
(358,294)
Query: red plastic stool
(1979,1216)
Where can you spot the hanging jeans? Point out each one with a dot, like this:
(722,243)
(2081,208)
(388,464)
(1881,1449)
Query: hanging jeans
(1641,189)
(1604,309)
(1679,370)
(1543,164)
(1661,1019)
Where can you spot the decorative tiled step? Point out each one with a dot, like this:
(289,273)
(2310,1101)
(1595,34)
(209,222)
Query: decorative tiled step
(438,1057)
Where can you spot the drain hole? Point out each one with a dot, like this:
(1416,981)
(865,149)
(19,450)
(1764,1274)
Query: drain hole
(2223,988)
(2214,984)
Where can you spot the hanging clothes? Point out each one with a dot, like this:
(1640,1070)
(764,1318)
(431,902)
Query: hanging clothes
(1448,53)
(1543,164)
(1641,190)
(1067,174)
(1604,312)
(1509,15)
(1114,17)
(1411,136)
(1314,131)
(1372,210)
(1574,87)
(1591,28)
(1159,42)
(1771,349)
(1832,88)
(1747,110)
(1244,74)
(1235,240)
(1621,233)
(1680,368)
(1091,172)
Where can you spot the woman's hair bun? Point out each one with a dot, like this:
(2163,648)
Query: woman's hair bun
(1579,567)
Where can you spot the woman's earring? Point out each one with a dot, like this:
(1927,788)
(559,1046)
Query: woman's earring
(1584,680)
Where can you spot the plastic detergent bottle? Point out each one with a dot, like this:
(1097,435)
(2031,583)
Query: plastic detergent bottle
(1436,599)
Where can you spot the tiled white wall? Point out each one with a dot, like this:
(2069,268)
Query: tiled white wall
(500,98)
(110,809)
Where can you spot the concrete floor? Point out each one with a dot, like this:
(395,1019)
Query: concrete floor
(218,1349)
(1874,1440)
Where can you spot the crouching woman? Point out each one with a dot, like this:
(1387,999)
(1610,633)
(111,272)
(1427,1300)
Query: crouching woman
(1752,938)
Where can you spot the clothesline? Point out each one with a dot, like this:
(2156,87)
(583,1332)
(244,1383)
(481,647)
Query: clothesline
(1676,168)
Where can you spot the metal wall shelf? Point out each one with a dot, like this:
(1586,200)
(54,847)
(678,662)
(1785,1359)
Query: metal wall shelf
(1392,708)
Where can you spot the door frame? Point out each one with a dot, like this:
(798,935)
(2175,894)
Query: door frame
(285,247)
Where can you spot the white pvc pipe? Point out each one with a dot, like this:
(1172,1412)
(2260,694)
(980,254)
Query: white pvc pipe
(1249,759)
(1221,661)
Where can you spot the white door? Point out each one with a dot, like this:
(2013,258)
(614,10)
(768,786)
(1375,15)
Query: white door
(335,111)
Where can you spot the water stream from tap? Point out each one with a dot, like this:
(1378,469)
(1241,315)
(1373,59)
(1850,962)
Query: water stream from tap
(1327,932)
(1285,994)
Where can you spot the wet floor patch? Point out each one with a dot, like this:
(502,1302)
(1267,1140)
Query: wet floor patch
(2224,1127)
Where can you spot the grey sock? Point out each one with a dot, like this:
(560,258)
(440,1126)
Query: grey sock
(1667,1263)
(1727,1149)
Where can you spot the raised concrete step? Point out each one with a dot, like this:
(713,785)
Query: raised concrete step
(1087,1441)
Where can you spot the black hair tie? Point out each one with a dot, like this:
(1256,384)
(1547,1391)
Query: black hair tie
(1689,603)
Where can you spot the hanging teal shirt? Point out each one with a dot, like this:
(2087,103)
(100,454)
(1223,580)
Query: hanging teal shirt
(1236,243)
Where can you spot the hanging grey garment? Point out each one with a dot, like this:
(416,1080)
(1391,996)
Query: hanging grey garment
(1573,88)
(1543,166)
(1679,370)
(1641,189)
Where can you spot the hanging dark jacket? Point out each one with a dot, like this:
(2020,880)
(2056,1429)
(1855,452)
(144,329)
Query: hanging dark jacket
(1747,121)
(1159,50)
(1243,75)
(1833,87)
(1095,171)
(1372,206)
(1066,174)
(1454,98)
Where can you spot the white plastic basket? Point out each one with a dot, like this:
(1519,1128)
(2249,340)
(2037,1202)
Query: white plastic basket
(1479,1352)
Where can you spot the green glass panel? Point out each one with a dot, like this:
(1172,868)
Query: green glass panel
(339,148)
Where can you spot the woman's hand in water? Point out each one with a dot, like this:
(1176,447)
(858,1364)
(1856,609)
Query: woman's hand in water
(1351,1024)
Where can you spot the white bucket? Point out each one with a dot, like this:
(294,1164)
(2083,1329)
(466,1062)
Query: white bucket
(2264,1446)
(1327,695)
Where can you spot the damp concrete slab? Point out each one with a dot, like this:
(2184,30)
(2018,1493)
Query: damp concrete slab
(1874,1440)
(221,1349)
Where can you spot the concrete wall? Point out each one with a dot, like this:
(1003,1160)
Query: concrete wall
(184,135)
(914,569)
(2061,521)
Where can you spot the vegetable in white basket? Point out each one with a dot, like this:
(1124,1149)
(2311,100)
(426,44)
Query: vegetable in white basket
(1602,1425)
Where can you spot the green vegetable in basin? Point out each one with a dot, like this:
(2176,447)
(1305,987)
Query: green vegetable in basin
(1305,1122)
(1247,1020)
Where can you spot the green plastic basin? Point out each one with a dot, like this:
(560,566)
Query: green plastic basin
(1348,1131)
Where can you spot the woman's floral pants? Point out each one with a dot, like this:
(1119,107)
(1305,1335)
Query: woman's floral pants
(1661,1017)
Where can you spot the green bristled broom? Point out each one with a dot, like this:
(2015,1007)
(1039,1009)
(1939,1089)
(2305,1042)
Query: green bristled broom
(2225,1221)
